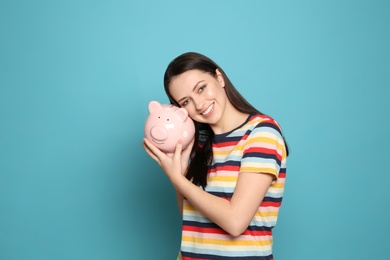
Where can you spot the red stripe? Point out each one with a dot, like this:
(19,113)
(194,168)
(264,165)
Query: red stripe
(258,233)
(223,232)
(270,204)
(228,168)
(263,150)
(225,144)
(204,230)
(225,168)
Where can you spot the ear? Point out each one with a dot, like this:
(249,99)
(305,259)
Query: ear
(220,78)
(154,106)
(182,113)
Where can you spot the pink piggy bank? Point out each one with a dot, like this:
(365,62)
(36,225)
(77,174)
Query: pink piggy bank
(166,125)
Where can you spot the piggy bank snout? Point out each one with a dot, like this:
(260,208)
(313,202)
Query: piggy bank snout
(159,133)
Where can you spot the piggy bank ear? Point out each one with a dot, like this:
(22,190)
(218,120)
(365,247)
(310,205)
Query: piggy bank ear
(154,106)
(182,113)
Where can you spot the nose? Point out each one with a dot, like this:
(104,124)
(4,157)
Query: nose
(198,103)
(159,133)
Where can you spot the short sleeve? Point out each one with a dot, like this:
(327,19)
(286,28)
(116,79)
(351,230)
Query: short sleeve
(265,149)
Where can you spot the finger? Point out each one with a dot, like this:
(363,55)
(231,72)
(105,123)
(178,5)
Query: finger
(178,150)
(150,153)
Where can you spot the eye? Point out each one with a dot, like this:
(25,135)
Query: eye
(185,102)
(201,88)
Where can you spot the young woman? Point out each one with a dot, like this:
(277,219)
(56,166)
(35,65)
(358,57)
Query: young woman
(230,180)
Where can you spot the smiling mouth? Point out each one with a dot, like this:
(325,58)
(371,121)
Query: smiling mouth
(208,110)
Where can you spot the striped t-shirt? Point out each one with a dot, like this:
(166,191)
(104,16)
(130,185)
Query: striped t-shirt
(255,146)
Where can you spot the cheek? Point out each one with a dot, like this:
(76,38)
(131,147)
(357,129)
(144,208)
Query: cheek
(191,111)
(214,91)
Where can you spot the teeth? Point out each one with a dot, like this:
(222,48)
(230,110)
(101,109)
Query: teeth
(208,110)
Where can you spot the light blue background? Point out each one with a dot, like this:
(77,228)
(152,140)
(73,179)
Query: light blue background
(76,78)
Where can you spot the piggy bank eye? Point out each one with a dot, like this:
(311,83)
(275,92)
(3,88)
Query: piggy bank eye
(167,119)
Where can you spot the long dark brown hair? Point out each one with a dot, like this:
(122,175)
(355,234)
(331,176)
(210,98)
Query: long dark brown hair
(202,155)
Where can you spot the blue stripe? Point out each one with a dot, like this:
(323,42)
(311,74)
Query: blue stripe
(259,157)
(222,194)
(272,127)
(269,199)
(228,163)
(200,224)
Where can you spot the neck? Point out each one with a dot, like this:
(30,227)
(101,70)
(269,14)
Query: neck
(231,119)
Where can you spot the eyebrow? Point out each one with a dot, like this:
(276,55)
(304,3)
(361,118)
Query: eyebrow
(192,90)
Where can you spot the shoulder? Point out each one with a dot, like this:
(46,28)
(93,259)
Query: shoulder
(263,123)
(264,131)
(263,146)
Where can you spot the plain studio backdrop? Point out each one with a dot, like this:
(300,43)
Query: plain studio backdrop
(75,81)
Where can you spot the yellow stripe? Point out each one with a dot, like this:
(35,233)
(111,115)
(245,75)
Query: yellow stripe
(188,207)
(240,148)
(255,169)
(267,214)
(279,185)
(222,178)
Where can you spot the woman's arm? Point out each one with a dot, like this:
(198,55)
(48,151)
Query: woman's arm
(233,216)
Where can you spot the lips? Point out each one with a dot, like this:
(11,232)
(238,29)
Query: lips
(208,110)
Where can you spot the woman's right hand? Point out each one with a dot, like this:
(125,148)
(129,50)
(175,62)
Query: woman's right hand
(172,165)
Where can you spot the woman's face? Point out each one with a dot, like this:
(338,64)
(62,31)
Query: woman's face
(201,94)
